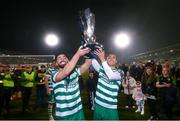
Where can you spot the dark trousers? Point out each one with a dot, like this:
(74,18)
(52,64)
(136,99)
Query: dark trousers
(178,91)
(40,95)
(6,97)
(1,97)
(178,84)
(129,100)
(178,96)
(152,104)
(26,94)
(166,106)
(168,97)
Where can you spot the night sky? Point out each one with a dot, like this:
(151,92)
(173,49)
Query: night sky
(151,24)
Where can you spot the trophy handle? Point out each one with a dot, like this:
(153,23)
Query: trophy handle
(94,38)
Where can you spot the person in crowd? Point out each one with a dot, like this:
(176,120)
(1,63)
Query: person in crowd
(125,68)
(17,83)
(129,84)
(40,87)
(177,76)
(66,86)
(150,90)
(8,86)
(49,89)
(1,88)
(139,71)
(166,84)
(158,69)
(132,69)
(91,86)
(27,82)
(109,81)
(139,97)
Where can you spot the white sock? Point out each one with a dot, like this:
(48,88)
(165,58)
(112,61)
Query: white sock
(142,110)
(139,109)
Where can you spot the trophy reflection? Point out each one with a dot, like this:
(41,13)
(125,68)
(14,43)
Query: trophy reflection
(87,25)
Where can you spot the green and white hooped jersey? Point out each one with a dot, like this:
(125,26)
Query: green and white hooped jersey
(67,95)
(107,90)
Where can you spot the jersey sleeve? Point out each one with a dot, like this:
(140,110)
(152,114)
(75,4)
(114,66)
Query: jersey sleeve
(54,73)
(96,65)
(78,71)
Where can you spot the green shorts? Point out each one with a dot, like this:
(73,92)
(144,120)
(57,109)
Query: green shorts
(51,99)
(79,116)
(102,113)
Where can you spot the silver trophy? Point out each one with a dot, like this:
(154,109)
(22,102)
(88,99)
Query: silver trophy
(87,25)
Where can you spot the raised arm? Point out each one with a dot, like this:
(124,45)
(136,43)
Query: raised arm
(109,72)
(85,66)
(96,65)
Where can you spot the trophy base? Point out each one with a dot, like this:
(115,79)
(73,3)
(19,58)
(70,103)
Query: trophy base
(93,47)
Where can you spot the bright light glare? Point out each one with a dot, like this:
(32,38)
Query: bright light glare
(122,40)
(51,40)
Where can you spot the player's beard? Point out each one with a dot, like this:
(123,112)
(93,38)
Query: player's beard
(62,64)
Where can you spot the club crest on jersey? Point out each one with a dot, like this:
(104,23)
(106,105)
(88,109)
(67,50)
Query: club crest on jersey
(72,84)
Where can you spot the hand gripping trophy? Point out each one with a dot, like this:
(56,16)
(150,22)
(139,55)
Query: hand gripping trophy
(87,25)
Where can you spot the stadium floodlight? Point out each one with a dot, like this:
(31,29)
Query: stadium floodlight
(122,40)
(51,40)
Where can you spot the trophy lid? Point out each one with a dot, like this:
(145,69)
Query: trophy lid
(87,22)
